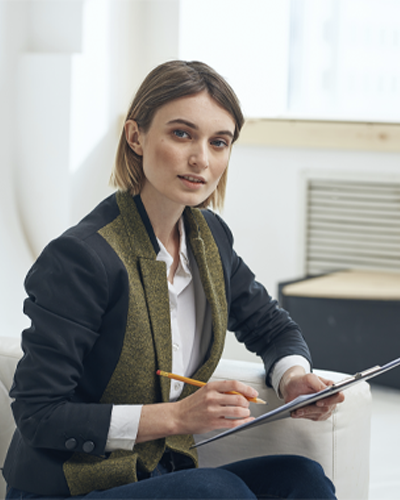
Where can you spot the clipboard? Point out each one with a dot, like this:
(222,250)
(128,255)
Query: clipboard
(285,410)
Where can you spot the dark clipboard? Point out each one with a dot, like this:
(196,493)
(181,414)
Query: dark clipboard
(284,411)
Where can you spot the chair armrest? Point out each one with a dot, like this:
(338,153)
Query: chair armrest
(341,444)
(10,353)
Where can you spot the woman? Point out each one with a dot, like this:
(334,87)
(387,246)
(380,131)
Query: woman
(146,282)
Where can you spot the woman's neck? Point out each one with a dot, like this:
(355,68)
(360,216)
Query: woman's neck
(164,218)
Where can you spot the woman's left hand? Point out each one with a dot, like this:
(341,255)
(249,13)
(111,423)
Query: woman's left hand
(296,382)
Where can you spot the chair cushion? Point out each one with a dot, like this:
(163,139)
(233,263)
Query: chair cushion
(10,353)
(340,444)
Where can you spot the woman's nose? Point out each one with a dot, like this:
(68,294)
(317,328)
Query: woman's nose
(199,156)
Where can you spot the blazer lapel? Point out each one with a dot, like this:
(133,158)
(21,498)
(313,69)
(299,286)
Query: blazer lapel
(154,281)
(154,276)
(208,260)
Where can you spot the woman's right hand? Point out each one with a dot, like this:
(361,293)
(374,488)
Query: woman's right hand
(209,408)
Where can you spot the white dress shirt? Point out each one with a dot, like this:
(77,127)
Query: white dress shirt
(191,329)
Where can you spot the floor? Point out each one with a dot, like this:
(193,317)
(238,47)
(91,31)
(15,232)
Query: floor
(385,444)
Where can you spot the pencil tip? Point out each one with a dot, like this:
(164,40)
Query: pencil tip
(259,401)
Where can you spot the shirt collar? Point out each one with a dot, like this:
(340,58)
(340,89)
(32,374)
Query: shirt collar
(164,256)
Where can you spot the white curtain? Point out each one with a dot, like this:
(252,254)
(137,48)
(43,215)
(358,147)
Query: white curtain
(68,70)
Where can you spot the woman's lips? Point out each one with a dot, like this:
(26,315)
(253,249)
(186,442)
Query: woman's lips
(192,181)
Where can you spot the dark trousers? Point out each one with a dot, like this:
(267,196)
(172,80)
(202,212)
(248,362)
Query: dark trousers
(276,477)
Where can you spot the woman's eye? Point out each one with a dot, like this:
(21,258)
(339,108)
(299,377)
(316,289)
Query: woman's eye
(181,133)
(219,143)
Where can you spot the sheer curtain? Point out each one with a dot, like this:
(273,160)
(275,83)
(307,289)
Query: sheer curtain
(302,59)
(68,70)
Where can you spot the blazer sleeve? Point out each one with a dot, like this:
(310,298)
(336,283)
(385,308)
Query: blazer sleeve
(67,295)
(254,316)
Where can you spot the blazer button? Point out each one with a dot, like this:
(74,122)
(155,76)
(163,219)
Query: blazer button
(88,446)
(71,443)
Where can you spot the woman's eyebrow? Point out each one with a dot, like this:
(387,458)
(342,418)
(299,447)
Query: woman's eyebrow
(183,122)
(195,127)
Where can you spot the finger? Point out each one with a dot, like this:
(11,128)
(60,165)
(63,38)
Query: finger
(230,405)
(226,386)
(326,381)
(313,415)
(227,417)
(233,400)
(215,401)
(318,417)
(309,384)
(314,412)
(235,412)
(331,400)
(232,423)
(241,388)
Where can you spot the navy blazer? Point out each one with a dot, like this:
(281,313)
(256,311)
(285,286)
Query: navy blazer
(78,301)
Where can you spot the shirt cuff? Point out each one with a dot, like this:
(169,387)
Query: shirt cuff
(124,425)
(281,366)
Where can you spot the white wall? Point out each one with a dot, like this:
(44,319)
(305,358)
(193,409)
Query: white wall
(45,189)
(141,35)
(68,71)
(14,252)
(263,206)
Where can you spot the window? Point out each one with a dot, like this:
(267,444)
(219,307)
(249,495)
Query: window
(305,59)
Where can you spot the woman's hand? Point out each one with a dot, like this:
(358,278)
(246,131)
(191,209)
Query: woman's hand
(296,382)
(208,409)
(212,408)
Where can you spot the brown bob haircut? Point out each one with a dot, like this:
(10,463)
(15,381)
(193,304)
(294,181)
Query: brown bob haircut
(169,81)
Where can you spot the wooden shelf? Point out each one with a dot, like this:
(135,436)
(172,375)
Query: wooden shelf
(383,137)
(352,284)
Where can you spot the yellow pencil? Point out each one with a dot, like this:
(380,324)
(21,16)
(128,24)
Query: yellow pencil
(197,383)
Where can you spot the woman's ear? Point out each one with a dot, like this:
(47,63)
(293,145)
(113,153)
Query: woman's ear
(133,136)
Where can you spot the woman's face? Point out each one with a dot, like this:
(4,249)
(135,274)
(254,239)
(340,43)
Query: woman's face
(185,151)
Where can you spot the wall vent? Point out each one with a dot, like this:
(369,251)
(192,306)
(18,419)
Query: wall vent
(352,224)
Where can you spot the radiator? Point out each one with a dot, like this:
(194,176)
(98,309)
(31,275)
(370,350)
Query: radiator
(351,224)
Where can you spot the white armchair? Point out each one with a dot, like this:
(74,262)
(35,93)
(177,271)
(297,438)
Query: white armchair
(10,352)
(340,444)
